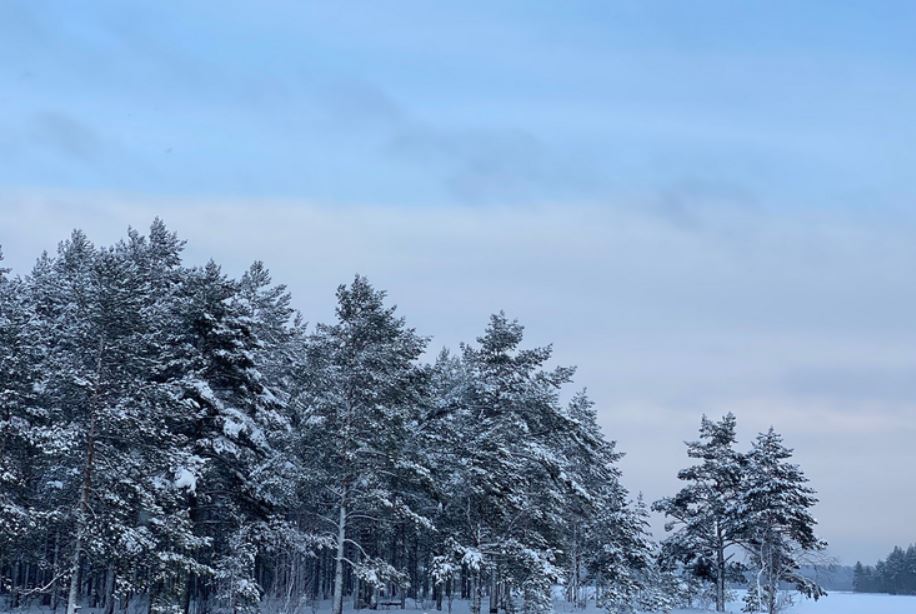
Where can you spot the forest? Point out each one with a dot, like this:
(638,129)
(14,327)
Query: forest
(895,575)
(177,440)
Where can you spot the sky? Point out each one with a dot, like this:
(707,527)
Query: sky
(706,206)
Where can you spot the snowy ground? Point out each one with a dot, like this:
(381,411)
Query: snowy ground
(855,603)
(835,603)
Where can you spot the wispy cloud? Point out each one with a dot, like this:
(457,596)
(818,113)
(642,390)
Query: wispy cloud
(64,135)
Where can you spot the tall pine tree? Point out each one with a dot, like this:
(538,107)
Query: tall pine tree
(361,394)
(703,513)
(777,529)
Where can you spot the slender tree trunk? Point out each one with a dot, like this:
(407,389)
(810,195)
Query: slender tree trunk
(186,597)
(356,587)
(475,591)
(760,573)
(82,521)
(54,570)
(73,595)
(109,589)
(720,569)
(572,593)
(494,592)
(15,588)
(337,607)
(82,516)
(772,582)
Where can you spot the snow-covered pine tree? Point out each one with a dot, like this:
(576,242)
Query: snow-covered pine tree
(777,528)
(276,325)
(621,560)
(20,421)
(443,445)
(595,497)
(160,552)
(362,392)
(104,445)
(86,317)
(702,515)
(137,388)
(607,542)
(505,502)
(211,439)
(230,422)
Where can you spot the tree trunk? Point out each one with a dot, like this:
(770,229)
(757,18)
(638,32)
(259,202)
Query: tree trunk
(337,607)
(772,583)
(82,520)
(73,595)
(494,593)
(54,570)
(720,569)
(475,591)
(86,490)
(186,597)
(356,588)
(109,589)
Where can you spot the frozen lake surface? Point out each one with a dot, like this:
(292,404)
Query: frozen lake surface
(855,603)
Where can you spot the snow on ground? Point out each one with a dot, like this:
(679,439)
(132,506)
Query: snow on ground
(856,603)
(835,603)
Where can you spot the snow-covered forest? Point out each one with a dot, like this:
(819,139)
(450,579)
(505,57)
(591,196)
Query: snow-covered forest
(895,575)
(177,440)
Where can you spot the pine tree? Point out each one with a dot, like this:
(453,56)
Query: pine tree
(362,392)
(777,526)
(506,500)
(172,438)
(624,562)
(597,518)
(21,513)
(703,514)
(102,419)
(231,420)
(860,580)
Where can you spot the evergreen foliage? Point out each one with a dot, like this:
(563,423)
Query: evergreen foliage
(756,504)
(175,439)
(895,575)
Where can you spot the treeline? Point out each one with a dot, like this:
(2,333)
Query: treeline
(895,575)
(175,439)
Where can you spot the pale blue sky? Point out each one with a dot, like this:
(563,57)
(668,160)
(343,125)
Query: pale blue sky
(780,104)
(707,206)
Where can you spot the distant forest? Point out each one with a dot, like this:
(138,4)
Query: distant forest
(895,575)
